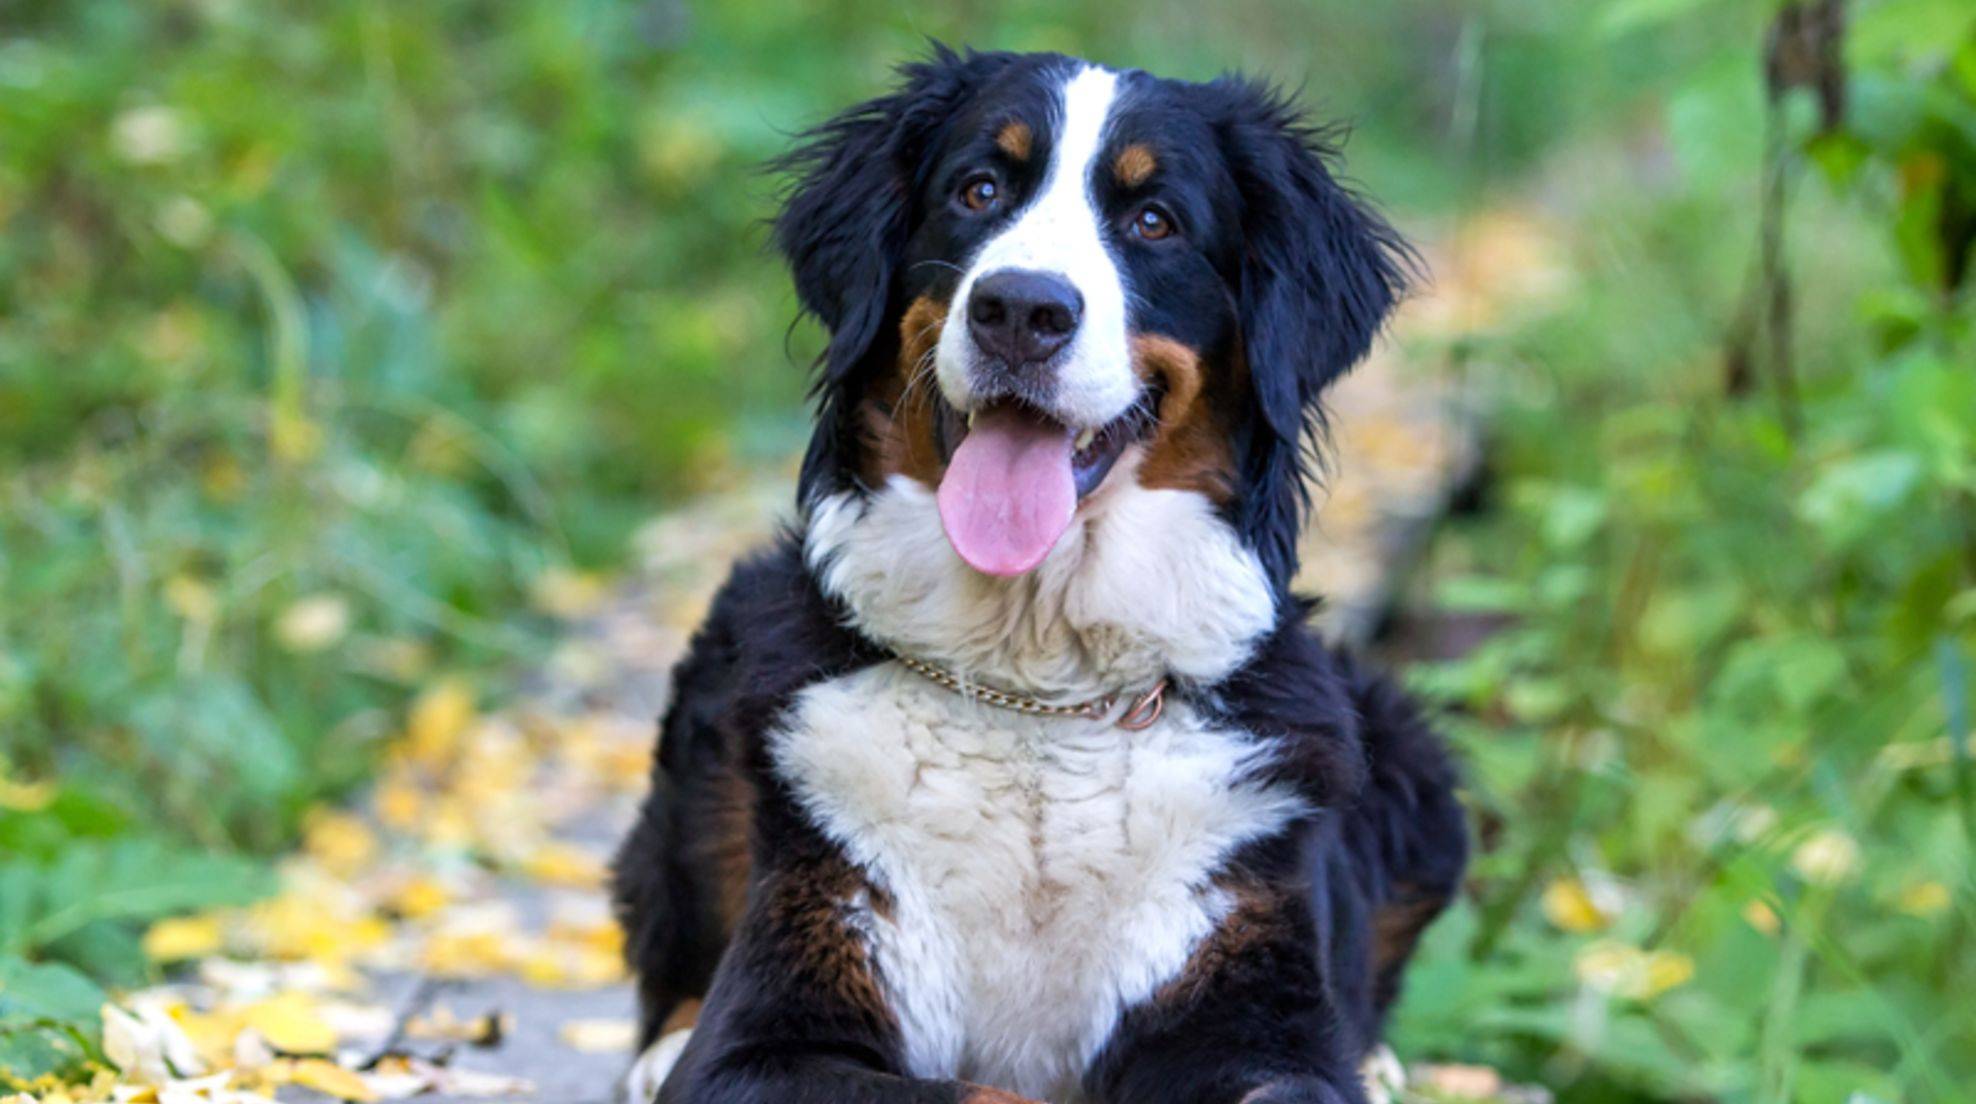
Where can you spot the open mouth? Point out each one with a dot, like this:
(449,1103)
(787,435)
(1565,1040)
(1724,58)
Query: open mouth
(1015,475)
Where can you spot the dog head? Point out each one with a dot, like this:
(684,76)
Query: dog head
(1031,267)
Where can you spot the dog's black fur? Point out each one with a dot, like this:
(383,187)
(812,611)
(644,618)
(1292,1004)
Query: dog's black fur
(730,892)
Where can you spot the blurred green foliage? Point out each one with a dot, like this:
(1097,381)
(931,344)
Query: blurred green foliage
(78,878)
(1720,746)
(326,332)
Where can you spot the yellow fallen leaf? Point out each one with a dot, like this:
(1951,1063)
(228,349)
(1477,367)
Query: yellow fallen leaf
(1569,906)
(213,1034)
(1665,970)
(569,966)
(399,802)
(438,719)
(603,936)
(560,592)
(599,1036)
(468,954)
(1759,915)
(564,865)
(331,1079)
(485,1030)
(1622,970)
(179,938)
(297,927)
(419,897)
(1923,899)
(291,1023)
(200,1090)
(448,822)
(192,598)
(25,797)
(342,843)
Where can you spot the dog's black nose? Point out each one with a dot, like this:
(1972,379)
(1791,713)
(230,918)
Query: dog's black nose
(1023,316)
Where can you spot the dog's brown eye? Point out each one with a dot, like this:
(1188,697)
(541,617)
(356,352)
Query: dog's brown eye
(980,193)
(1152,224)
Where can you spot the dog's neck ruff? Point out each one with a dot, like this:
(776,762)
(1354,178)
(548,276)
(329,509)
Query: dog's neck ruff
(1141,711)
(1148,584)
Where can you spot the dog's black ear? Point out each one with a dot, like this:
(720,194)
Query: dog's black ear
(848,213)
(1320,270)
(1320,274)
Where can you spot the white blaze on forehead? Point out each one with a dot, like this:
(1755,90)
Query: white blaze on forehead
(1087,100)
(1060,232)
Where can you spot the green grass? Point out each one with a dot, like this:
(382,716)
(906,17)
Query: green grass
(327,332)
(1732,695)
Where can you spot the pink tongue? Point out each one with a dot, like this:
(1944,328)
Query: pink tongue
(1008,494)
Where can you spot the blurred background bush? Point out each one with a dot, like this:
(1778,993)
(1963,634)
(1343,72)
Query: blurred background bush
(337,341)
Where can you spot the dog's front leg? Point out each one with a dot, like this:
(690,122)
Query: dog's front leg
(796,1014)
(1249,1020)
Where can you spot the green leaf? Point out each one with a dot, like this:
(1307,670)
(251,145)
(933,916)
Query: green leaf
(108,950)
(48,1019)
(1715,124)
(34,992)
(73,814)
(1839,155)
(1848,497)
(1891,33)
(1481,594)
(1573,515)
(124,881)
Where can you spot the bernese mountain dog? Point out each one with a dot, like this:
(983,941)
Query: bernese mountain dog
(1013,771)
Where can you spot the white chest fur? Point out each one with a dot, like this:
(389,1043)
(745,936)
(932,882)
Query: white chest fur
(1043,874)
(1146,583)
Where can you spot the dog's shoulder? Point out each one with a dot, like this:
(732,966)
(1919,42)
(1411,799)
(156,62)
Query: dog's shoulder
(1298,693)
(769,632)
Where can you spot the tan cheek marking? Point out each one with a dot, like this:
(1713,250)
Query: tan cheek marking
(683,1017)
(899,413)
(1134,165)
(1015,139)
(1189,449)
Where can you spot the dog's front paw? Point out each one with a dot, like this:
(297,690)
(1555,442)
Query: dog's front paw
(1384,1077)
(1306,1090)
(641,1084)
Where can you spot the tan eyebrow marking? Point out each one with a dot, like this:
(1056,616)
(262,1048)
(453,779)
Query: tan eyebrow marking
(1135,163)
(1015,140)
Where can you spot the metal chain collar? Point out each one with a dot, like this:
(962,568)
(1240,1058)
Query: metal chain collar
(1145,709)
